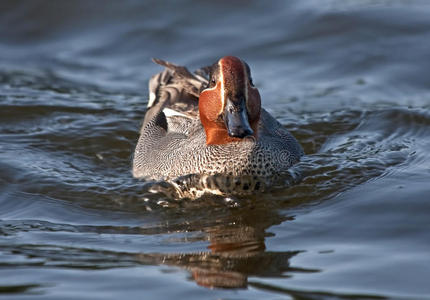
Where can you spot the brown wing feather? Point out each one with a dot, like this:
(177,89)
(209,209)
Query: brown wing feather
(191,83)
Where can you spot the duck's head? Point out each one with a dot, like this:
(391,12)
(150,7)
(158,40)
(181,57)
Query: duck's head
(230,105)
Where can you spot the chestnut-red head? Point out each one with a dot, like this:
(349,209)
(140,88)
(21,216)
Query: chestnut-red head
(230,105)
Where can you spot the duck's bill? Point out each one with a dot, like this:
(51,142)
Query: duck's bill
(236,119)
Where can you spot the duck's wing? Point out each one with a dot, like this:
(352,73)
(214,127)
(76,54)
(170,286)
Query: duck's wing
(190,83)
(175,91)
(171,117)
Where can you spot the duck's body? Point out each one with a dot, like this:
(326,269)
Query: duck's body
(174,143)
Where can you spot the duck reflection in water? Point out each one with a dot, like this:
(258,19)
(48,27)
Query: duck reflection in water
(237,250)
(236,253)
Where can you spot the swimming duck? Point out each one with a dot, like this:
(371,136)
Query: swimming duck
(207,132)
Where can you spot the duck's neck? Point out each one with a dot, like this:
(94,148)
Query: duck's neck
(219,136)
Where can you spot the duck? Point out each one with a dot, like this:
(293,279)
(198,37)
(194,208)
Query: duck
(206,132)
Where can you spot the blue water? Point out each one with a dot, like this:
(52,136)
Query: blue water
(350,79)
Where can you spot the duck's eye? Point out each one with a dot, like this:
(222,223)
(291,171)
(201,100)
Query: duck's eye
(213,81)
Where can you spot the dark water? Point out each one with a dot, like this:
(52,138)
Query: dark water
(350,79)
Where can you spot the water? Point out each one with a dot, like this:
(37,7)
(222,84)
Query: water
(350,79)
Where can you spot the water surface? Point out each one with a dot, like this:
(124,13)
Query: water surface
(350,79)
